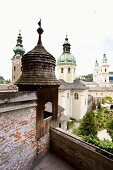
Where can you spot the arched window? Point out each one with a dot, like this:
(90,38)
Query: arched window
(61,70)
(105,70)
(68,95)
(68,70)
(48,110)
(76,96)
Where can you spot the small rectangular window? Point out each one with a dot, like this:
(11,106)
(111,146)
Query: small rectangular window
(61,70)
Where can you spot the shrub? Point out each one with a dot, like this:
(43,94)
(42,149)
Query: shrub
(110,127)
(70,124)
(106,145)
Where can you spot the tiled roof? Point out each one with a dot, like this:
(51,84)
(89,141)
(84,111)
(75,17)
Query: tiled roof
(77,85)
(98,88)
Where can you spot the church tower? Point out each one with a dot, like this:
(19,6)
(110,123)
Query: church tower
(66,64)
(96,72)
(104,72)
(16,60)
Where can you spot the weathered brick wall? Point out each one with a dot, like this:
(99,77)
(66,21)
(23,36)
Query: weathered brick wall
(18,145)
(17,137)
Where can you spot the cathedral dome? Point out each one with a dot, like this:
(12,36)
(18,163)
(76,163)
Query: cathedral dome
(66,56)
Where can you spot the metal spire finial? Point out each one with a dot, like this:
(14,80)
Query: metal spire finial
(66,37)
(40,31)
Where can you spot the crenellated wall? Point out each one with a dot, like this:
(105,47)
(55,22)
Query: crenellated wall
(18,144)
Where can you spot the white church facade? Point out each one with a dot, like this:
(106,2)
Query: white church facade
(73,94)
(101,72)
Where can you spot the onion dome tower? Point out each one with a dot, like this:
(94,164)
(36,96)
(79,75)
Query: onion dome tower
(19,50)
(38,74)
(66,64)
(16,60)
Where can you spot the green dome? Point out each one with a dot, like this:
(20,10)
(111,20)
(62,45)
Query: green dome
(66,58)
(19,50)
(19,47)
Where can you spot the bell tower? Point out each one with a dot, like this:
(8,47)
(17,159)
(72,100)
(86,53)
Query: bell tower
(66,64)
(96,72)
(104,72)
(16,60)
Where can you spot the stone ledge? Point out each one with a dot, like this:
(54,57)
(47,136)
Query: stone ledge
(17,100)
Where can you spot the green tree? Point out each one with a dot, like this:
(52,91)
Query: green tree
(2,81)
(107,99)
(101,118)
(1,78)
(8,81)
(110,127)
(99,106)
(88,77)
(88,124)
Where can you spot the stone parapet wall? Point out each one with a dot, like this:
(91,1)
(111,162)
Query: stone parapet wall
(80,155)
(10,101)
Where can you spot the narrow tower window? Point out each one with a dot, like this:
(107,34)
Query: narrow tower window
(14,68)
(68,95)
(68,70)
(61,70)
(105,69)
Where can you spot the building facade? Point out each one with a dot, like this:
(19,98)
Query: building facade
(73,94)
(101,72)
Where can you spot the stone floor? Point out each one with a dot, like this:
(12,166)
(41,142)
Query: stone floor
(53,162)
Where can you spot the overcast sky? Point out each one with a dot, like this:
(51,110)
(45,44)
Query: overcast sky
(88,24)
